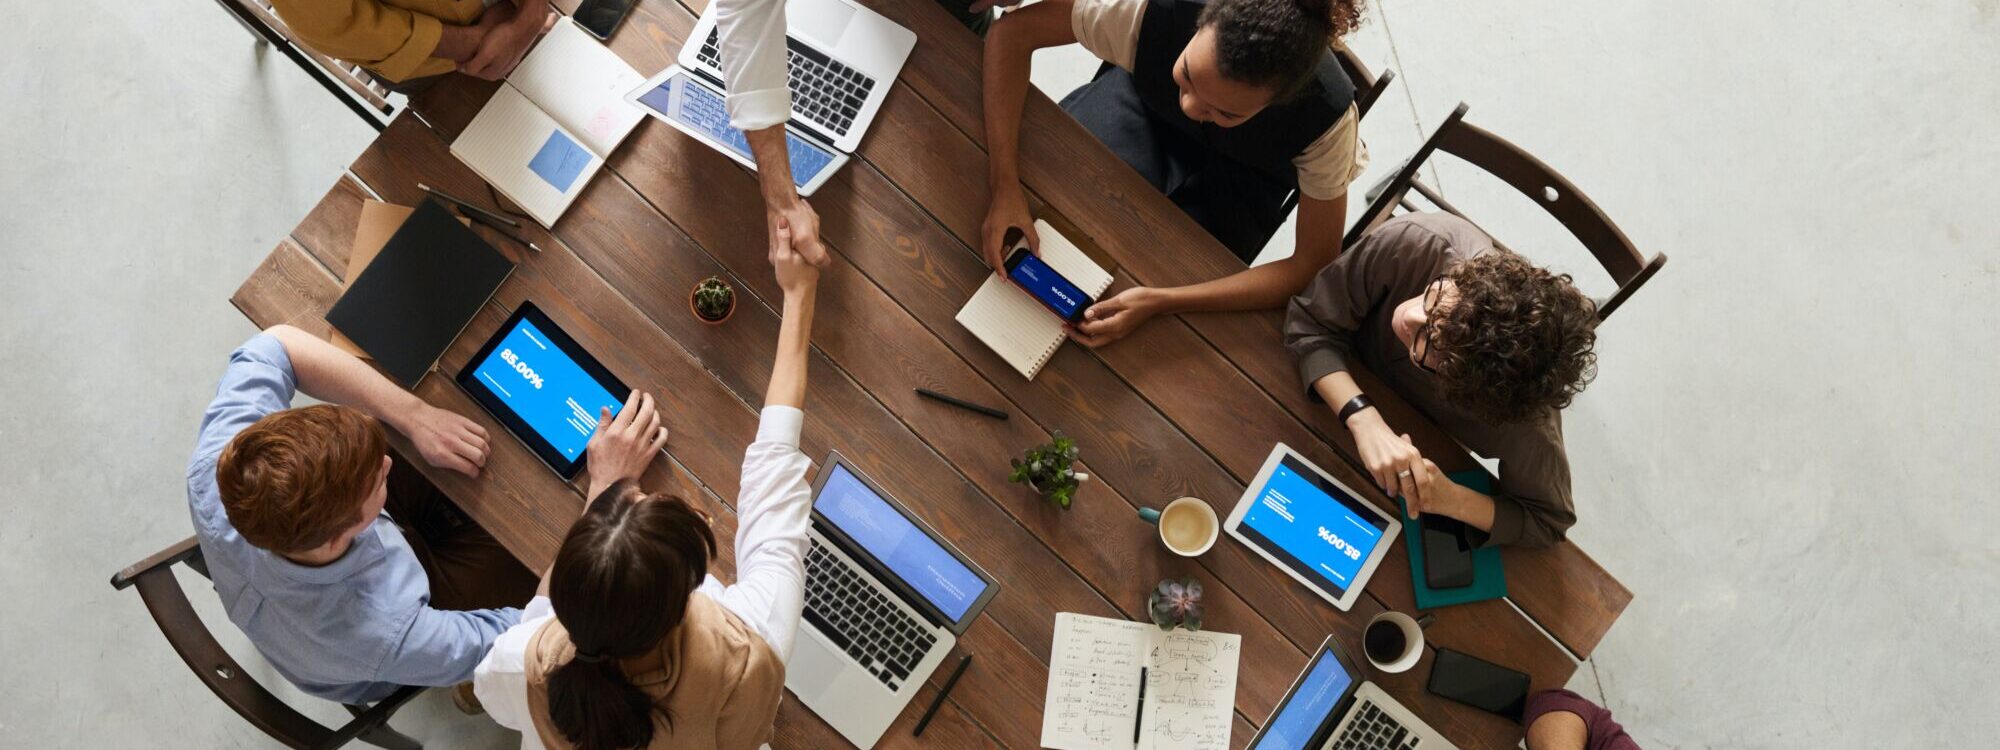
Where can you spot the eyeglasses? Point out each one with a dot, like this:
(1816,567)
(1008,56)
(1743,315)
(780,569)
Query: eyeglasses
(1424,341)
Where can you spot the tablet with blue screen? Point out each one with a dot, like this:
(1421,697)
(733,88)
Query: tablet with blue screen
(1317,530)
(545,388)
(700,109)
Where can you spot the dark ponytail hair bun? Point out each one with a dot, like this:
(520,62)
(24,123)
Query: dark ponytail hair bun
(1276,44)
(620,585)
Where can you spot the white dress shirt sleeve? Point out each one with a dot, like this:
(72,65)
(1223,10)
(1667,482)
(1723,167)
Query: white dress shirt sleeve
(754,71)
(773,511)
(501,679)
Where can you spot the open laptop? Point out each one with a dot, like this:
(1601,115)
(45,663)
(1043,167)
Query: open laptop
(1330,708)
(842,57)
(886,598)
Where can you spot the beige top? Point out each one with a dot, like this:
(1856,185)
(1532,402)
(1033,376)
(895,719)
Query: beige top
(1110,30)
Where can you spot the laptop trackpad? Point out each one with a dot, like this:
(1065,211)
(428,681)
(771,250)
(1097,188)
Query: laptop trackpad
(814,668)
(822,21)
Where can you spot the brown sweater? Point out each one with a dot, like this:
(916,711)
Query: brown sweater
(716,677)
(1343,318)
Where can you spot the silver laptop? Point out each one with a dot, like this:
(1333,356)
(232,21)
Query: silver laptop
(886,598)
(843,59)
(1330,708)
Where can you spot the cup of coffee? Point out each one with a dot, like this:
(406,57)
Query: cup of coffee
(1187,526)
(1393,641)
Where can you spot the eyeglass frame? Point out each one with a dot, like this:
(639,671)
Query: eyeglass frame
(1426,333)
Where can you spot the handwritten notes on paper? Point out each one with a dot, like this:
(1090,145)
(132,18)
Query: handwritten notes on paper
(1093,698)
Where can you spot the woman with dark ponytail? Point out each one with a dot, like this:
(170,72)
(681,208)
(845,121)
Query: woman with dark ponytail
(1226,106)
(630,643)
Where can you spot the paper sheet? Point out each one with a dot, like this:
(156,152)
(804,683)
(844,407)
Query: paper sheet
(1093,694)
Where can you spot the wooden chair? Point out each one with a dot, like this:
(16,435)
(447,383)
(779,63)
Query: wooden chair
(1367,87)
(176,618)
(352,84)
(1527,174)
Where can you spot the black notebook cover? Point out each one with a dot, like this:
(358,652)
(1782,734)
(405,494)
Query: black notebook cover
(430,279)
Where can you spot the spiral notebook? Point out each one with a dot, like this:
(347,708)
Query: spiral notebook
(1011,323)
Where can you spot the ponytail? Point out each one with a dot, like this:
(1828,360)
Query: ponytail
(620,586)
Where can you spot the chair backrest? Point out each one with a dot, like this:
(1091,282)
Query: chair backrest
(357,88)
(177,620)
(1532,178)
(1367,87)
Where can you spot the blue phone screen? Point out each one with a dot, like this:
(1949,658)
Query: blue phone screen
(1065,298)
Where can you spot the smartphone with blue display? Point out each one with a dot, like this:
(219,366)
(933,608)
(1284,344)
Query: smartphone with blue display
(1058,294)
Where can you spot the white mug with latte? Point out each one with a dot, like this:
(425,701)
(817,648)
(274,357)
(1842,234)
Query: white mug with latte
(1188,527)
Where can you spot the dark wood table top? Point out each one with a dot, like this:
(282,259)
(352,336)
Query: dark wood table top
(1185,406)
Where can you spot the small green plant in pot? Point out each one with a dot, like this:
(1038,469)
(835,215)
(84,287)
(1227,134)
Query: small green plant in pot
(713,300)
(1176,604)
(1050,469)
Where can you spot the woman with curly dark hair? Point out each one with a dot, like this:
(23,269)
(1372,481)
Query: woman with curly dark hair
(1226,106)
(1486,344)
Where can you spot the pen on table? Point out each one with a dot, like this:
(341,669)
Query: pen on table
(490,224)
(942,692)
(461,203)
(1138,717)
(962,404)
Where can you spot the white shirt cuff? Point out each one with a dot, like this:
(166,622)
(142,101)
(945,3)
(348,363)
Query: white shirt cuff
(780,424)
(756,110)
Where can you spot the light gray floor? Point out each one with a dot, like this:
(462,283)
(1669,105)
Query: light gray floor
(1787,457)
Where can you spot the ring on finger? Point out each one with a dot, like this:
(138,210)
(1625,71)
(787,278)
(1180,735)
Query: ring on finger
(1404,474)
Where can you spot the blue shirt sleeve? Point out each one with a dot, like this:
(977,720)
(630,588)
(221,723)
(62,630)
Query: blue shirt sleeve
(443,646)
(257,382)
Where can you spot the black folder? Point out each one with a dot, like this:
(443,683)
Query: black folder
(419,293)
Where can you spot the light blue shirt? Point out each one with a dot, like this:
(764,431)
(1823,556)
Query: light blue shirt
(351,630)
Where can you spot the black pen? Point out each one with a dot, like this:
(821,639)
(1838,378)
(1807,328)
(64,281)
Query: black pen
(942,692)
(461,203)
(962,404)
(490,224)
(1139,717)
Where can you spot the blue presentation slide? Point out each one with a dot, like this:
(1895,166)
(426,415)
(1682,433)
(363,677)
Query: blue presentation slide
(1324,537)
(1307,708)
(702,110)
(1048,286)
(542,385)
(905,549)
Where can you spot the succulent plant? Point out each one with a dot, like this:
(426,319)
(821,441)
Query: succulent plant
(1050,469)
(1176,604)
(714,298)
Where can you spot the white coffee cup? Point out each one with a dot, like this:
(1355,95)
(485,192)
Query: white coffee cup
(1393,623)
(1188,527)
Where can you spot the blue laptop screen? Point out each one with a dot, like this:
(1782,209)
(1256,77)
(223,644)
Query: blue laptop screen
(545,388)
(703,110)
(1314,527)
(1305,711)
(909,553)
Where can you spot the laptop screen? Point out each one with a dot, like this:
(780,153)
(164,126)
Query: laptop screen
(682,101)
(892,539)
(1304,713)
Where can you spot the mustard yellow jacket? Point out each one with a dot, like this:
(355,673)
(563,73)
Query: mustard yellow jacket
(393,38)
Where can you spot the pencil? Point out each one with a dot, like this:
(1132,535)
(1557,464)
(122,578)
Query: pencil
(490,224)
(942,692)
(962,404)
(461,203)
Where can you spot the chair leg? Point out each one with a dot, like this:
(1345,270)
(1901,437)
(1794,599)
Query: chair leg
(247,25)
(389,739)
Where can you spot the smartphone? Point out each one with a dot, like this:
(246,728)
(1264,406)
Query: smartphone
(601,17)
(1447,553)
(1478,683)
(1060,295)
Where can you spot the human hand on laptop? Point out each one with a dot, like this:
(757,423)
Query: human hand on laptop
(623,446)
(445,439)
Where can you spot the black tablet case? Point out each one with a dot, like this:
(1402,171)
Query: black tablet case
(429,280)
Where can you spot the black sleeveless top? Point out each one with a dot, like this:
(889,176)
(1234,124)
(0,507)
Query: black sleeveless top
(1267,142)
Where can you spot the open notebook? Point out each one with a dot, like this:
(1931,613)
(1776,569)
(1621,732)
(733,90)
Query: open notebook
(549,128)
(1095,701)
(1012,323)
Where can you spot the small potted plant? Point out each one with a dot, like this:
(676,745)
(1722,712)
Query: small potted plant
(1176,604)
(713,300)
(1050,469)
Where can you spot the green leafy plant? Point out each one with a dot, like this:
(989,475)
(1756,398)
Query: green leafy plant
(714,299)
(1049,468)
(1176,604)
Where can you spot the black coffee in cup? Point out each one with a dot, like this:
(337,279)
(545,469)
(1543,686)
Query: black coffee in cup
(1384,641)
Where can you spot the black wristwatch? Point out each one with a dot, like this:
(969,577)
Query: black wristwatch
(1354,406)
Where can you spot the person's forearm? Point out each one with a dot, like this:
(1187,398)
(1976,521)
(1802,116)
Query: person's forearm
(460,43)
(1338,388)
(325,372)
(1467,505)
(788,373)
(1261,288)
(774,166)
(1007,64)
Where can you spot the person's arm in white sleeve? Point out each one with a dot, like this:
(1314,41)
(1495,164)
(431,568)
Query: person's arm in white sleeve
(754,69)
(501,679)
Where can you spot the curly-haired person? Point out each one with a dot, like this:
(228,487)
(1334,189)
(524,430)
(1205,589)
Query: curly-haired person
(1226,106)
(1484,343)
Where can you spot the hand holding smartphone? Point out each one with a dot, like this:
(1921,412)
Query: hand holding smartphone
(1060,295)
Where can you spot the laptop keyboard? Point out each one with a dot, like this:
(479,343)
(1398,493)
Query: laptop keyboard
(879,635)
(1372,729)
(824,91)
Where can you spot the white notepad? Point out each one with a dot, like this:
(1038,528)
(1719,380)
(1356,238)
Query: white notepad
(1093,700)
(549,128)
(1016,326)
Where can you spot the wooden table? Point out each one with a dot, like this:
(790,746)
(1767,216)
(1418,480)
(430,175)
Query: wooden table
(1185,406)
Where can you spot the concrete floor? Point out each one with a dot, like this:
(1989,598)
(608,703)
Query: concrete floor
(1783,457)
